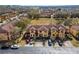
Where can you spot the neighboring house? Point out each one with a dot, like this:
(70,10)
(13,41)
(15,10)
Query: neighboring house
(46,13)
(3,34)
(74,29)
(8,28)
(2,18)
(23,16)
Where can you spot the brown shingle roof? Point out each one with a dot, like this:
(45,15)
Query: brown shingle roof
(2,30)
(76,27)
(8,27)
(45,27)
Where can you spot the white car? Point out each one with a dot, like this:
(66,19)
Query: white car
(29,45)
(14,46)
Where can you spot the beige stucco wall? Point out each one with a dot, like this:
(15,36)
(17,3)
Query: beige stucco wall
(3,37)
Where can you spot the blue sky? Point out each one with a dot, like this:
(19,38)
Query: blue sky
(39,2)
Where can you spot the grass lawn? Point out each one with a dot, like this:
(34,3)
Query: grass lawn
(43,21)
(26,21)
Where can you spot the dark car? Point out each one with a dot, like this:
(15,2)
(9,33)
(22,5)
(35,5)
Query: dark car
(49,43)
(5,47)
(4,44)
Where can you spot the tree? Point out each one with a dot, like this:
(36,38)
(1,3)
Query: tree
(16,33)
(67,22)
(20,24)
(33,13)
(61,15)
(74,15)
(73,21)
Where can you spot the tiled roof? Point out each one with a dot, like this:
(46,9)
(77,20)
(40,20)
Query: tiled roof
(45,27)
(61,27)
(8,27)
(76,27)
(2,30)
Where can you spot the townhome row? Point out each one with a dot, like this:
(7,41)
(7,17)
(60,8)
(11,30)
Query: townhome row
(45,30)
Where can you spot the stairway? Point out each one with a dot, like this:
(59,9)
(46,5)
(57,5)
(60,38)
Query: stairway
(20,40)
(75,40)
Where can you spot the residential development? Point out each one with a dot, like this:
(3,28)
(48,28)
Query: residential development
(39,26)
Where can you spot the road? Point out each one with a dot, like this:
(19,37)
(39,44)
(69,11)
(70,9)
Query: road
(41,50)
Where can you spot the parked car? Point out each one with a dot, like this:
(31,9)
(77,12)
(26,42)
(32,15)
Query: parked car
(29,45)
(49,43)
(27,41)
(5,47)
(14,46)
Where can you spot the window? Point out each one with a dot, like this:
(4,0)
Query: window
(32,31)
(61,31)
(45,35)
(53,35)
(31,35)
(40,31)
(45,31)
(40,34)
(53,30)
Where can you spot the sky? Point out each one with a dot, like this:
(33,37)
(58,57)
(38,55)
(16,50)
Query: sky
(39,2)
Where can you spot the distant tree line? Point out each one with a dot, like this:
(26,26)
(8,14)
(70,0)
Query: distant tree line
(74,15)
(59,15)
(66,15)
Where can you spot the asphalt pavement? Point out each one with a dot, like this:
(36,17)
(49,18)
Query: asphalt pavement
(41,50)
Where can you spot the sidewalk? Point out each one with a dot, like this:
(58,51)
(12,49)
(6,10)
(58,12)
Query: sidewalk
(40,44)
